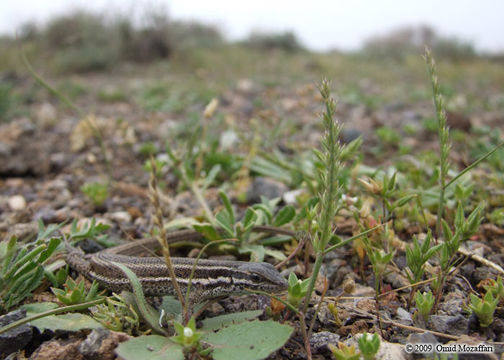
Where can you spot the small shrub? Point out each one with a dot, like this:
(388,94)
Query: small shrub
(286,41)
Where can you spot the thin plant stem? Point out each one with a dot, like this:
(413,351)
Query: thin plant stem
(161,236)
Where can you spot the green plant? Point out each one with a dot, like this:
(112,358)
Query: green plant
(297,289)
(443,133)
(22,269)
(59,278)
(385,190)
(424,302)
(117,315)
(96,192)
(258,214)
(416,258)
(484,308)
(344,352)
(369,345)
(189,337)
(418,255)
(464,229)
(388,136)
(75,293)
(286,41)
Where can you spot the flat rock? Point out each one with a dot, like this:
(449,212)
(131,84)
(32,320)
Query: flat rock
(453,325)
(17,338)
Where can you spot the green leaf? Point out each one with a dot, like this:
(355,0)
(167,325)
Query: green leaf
(257,252)
(275,240)
(68,322)
(149,314)
(224,220)
(207,231)
(152,347)
(276,254)
(265,210)
(292,279)
(403,201)
(227,206)
(284,216)
(171,306)
(447,233)
(249,220)
(248,340)
(211,324)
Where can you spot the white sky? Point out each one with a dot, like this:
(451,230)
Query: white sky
(320,24)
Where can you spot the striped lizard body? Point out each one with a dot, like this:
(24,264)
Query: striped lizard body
(212,278)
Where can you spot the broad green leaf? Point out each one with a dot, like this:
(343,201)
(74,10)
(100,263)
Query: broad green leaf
(257,252)
(207,231)
(35,308)
(276,254)
(263,209)
(222,321)
(171,306)
(224,220)
(248,340)
(152,347)
(275,240)
(285,215)
(68,322)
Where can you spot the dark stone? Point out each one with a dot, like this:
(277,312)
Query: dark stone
(319,342)
(349,135)
(453,325)
(262,186)
(481,273)
(17,338)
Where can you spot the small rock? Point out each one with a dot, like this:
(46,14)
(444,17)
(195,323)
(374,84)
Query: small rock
(319,342)
(349,135)
(423,338)
(90,346)
(46,114)
(46,214)
(121,216)
(396,280)
(454,325)
(453,302)
(404,316)
(5,149)
(269,188)
(58,349)
(245,85)
(17,203)
(290,197)
(481,273)
(17,338)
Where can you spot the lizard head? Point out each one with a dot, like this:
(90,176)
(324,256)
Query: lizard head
(262,276)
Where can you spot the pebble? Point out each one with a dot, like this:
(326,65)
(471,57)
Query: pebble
(17,203)
(121,216)
(319,342)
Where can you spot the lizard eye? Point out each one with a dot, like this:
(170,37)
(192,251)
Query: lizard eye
(255,278)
